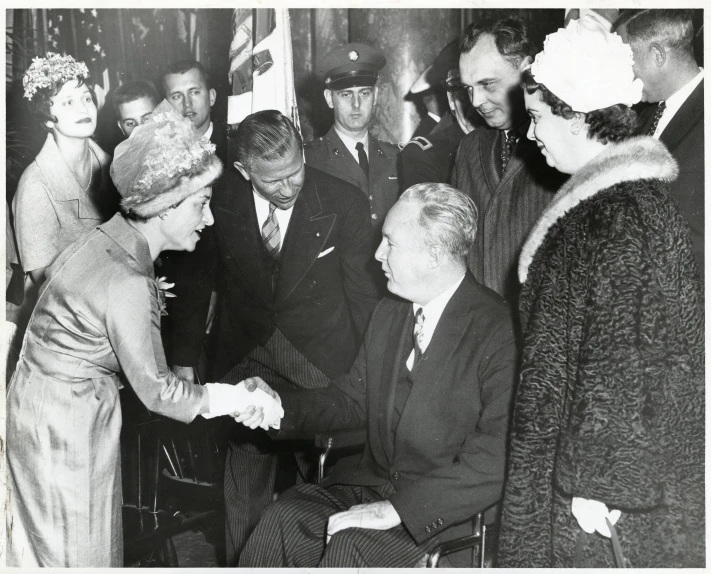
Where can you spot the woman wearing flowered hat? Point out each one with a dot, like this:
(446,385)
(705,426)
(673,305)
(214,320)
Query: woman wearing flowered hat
(98,315)
(608,420)
(65,191)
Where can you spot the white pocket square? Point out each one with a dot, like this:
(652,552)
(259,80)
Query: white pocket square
(326,252)
(392,177)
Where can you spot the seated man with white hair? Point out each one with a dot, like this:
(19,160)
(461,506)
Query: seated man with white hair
(432,381)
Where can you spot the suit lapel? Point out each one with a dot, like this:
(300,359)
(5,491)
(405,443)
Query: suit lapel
(237,222)
(341,163)
(453,324)
(690,114)
(488,159)
(399,342)
(308,231)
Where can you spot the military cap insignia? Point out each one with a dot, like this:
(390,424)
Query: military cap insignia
(353,55)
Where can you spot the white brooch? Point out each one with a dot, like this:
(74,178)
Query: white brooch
(163,287)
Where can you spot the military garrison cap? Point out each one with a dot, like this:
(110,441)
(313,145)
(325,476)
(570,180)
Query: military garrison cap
(350,66)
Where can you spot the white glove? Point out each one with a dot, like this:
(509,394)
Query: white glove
(235,399)
(591,515)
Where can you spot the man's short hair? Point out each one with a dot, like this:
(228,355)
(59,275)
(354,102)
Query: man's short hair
(132,91)
(448,217)
(183,66)
(673,29)
(267,135)
(510,36)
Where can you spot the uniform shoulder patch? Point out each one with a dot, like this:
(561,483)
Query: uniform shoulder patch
(421,141)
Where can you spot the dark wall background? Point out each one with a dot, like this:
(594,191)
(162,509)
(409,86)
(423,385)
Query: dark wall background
(127,44)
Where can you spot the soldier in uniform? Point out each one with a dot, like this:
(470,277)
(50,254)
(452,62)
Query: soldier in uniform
(430,158)
(348,151)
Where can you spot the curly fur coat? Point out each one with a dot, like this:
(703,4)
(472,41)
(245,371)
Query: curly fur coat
(610,404)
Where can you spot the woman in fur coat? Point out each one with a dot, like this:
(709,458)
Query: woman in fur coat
(608,418)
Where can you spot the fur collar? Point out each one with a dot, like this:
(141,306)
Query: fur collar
(637,158)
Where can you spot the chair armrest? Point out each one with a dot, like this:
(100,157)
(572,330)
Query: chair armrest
(341,438)
(337,439)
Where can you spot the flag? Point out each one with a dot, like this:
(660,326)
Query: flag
(261,64)
(79,33)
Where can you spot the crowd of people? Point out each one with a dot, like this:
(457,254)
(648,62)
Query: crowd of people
(511,304)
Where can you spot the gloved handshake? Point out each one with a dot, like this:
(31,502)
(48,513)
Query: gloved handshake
(252,403)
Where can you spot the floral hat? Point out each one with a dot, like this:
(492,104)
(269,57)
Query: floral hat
(54,69)
(164,161)
(588,67)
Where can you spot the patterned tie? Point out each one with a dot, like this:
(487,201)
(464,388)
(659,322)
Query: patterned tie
(661,106)
(270,233)
(507,150)
(418,334)
(363,158)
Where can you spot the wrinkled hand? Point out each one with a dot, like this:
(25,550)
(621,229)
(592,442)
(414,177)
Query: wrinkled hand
(373,515)
(185,373)
(253,383)
(591,515)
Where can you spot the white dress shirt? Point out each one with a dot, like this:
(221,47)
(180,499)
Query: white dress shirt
(208,134)
(675,101)
(432,313)
(350,144)
(283,215)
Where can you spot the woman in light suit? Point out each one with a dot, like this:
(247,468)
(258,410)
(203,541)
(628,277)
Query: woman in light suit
(98,315)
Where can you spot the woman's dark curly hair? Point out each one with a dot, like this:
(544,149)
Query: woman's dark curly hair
(41,101)
(612,124)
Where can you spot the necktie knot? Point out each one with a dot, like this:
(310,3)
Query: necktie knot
(659,112)
(362,158)
(418,334)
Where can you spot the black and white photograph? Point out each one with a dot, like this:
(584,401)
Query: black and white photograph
(377,285)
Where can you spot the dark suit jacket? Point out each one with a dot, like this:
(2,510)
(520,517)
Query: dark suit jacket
(508,206)
(322,299)
(219,138)
(447,460)
(329,154)
(684,138)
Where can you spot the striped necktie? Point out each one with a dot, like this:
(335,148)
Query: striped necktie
(661,106)
(270,233)
(418,334)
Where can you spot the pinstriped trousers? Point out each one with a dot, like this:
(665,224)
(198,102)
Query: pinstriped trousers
(252,461)
(292,533)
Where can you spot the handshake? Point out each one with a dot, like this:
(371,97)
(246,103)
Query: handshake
(252,403)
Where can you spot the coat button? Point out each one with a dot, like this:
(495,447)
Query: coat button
(440,521)
(374,216)
(428,529)
(396,475)
(434,525)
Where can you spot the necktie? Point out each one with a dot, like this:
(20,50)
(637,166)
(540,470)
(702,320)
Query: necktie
(418,334)
(362,158)
(661,106)
(511,139)
(270,233)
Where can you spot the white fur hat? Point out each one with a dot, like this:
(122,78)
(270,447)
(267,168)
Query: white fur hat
(163,162)
(588,67)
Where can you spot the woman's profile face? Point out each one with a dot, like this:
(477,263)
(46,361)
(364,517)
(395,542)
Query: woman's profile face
(74,110)
(183,224)
(551,133)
